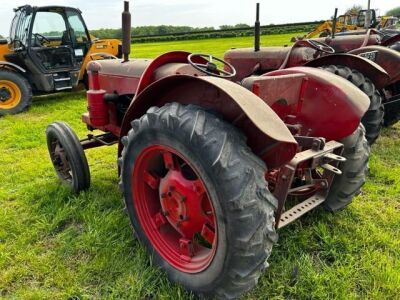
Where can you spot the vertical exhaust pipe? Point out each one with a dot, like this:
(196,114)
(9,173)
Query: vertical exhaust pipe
(257,29)
(334,23)
(126,32)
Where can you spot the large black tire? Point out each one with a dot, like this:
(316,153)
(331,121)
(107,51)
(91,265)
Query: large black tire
(373,118)
(67,155)
(234,178)
(13,83)
(354,170)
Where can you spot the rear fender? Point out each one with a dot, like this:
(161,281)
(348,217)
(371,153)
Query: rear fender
(387,58)
(368,68)
(267,135)
(328,106)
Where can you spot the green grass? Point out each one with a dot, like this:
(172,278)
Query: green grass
(54,245)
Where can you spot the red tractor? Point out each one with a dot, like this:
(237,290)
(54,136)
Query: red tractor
(372,68)
(210,169)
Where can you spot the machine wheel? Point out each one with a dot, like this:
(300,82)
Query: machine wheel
(68,157)
(346,186)
(15,92)
(373,118)
(197,199)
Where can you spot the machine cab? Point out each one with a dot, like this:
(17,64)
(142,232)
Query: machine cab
(50,43)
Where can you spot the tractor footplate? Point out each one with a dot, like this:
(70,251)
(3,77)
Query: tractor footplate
(308,176)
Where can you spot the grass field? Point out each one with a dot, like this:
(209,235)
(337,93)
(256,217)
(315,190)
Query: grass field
(54,245)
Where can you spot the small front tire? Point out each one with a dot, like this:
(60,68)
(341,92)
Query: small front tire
(67,155)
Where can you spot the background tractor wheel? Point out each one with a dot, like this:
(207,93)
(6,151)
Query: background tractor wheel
(68,157)
(348,185)
(197,199)
(373,118)
(15,92)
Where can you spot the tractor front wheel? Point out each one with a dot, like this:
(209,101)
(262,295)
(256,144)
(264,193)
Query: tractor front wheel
(15,92)
(67,155)
(373,118)
(197,199)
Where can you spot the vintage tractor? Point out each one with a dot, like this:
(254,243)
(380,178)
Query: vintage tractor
(372,69)
(47,51)
(210,169)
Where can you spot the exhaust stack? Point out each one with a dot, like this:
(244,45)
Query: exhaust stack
(257,29)
(334,23)
(126,32)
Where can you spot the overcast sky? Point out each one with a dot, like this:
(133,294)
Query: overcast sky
(106,13)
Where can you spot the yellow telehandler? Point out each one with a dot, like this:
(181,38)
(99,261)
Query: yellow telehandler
(47,51)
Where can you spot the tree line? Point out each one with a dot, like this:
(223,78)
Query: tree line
(160,33)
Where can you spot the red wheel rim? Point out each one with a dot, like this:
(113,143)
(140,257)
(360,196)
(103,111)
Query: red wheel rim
(174,208)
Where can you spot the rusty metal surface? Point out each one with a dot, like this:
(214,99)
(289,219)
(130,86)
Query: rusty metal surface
(116,67)
(266,133)
(246,60)
(370,69)
(388,59)
(331,107)
(344,44)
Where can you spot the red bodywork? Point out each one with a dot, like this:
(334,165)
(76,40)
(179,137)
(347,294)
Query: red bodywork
(170,78)
(291,117)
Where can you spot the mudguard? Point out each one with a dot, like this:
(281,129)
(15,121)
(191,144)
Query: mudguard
(368,68)
(14,66)
(329,106)
(266,134)
(387,58)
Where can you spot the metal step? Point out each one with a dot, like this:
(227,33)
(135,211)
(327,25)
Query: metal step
(300,209)
(63,88)
(62,79)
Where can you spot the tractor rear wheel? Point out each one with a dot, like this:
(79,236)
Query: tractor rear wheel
(354,169)
(15,92)
(67,155)
(197,199)
(373,118)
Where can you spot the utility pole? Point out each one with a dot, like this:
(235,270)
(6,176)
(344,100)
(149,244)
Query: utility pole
(368,15)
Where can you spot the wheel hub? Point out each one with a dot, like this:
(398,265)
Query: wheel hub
(174,208)
(5,94)
(181,202)
(10,94)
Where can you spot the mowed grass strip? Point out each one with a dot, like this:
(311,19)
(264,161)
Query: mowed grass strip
(56,245)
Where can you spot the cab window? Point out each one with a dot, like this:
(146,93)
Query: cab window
(50,25)
(78,28)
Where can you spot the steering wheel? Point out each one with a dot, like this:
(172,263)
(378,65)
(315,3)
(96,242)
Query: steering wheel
(319,46)
(41,38)
(210,68)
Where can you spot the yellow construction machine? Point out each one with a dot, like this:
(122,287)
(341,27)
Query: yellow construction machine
(47,51)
